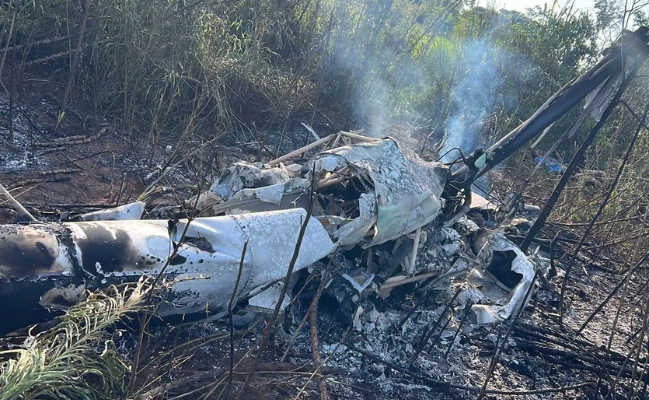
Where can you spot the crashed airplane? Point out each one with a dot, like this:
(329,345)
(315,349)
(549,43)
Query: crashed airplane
(411,221)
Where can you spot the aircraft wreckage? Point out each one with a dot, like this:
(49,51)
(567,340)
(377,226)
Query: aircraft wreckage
(402,219)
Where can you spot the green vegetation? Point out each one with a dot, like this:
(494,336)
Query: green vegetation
(77,358)
(246,70)
(213,65)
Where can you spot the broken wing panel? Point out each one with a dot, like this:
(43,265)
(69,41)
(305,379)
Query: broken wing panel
(207,262)
(273,237)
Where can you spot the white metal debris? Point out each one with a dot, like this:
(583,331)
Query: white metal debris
(501,309)
(407,190)
(401,192)
(127,211)
(267,299)
(384,194)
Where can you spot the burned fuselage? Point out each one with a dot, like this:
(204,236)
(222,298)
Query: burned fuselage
(372,196)
(200,263)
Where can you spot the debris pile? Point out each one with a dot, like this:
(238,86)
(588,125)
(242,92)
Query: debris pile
(376,214)
(383,201)
(399,267)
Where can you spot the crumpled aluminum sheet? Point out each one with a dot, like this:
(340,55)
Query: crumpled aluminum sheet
(354,232)
(406,192)
(251,181)
(508,305)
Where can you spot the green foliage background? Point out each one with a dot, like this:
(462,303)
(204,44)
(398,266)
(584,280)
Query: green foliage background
(153,64)
(213,67)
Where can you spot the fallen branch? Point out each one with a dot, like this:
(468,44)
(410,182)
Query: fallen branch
(80,205)
(58,171)
(607,222)
(326,139)
(432,327)
(194,378)
(301,150)
(598,365)
(403,280)
(20,210)
(315,345)
(34,181)
(38,43)
(232,300)
(72,140)
(613,292)
(47,59)
(297,331)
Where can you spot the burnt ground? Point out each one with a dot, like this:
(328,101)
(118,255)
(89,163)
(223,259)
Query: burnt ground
(89,162)
(50,176)
(375,363)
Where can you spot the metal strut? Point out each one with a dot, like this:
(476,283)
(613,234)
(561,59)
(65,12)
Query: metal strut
(630,47)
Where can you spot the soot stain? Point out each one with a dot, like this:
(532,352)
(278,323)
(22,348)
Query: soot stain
(45,254)
(22,255)
(200,243)
(113,253)
(177,260)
